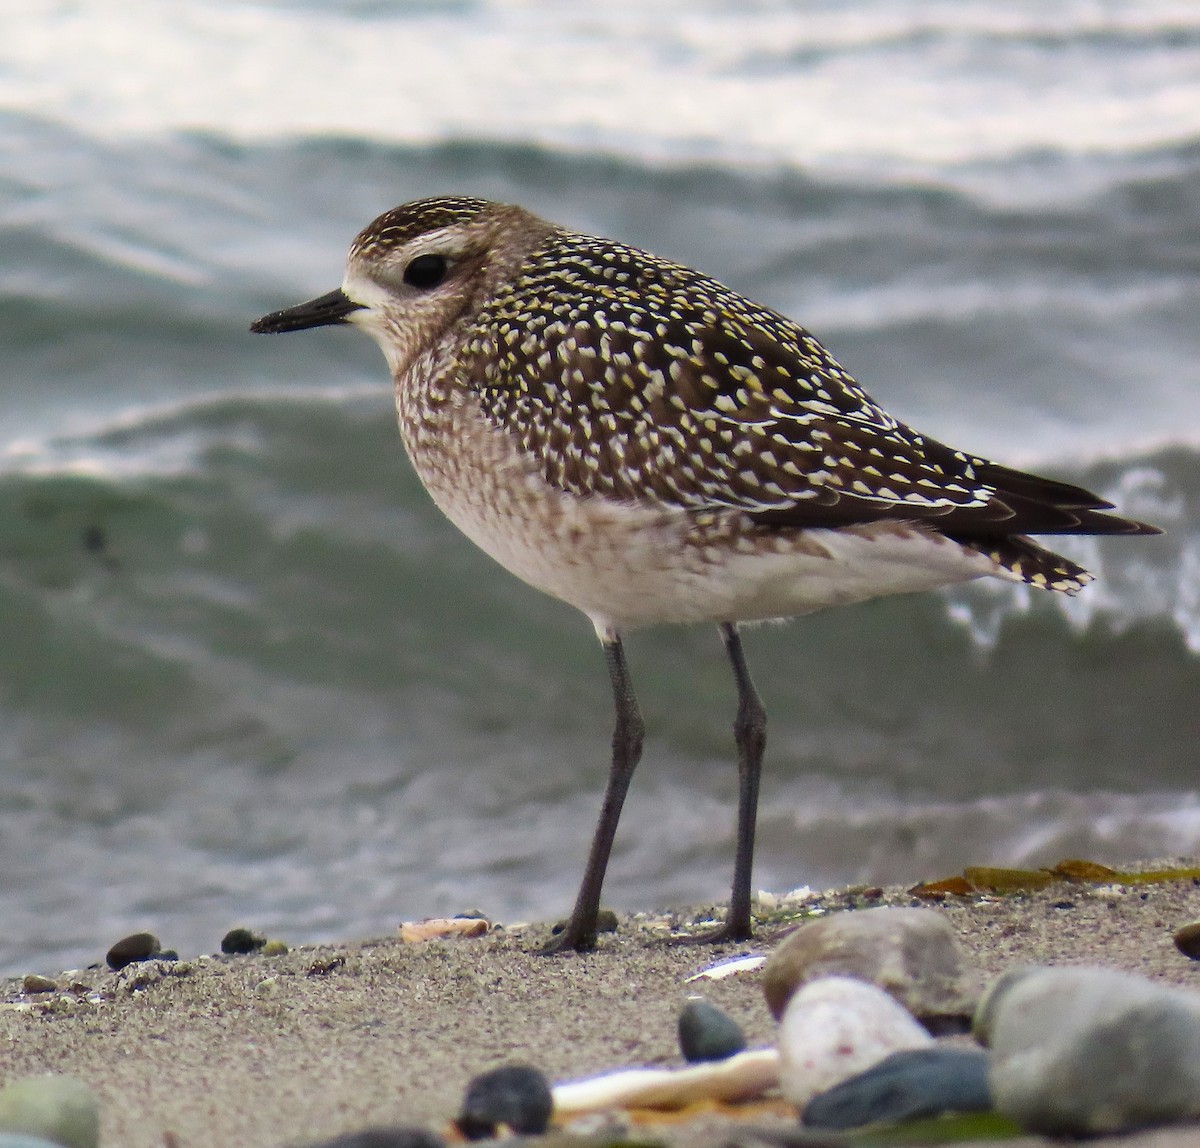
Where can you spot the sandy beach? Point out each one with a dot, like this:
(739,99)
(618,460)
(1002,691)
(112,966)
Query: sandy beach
(290,1049)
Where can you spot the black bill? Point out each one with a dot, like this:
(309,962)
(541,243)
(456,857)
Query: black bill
(323,312)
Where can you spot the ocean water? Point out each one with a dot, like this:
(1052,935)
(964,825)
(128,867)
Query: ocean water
(247,672)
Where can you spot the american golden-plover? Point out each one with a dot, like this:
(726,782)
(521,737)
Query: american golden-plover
(644,443)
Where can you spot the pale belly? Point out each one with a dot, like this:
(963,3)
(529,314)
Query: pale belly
(628,565)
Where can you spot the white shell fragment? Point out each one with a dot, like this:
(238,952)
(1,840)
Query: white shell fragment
(836,1027)
(741,1077)
(438,928)
(727,969)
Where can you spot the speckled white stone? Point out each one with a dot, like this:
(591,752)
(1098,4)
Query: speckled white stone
(836,1027)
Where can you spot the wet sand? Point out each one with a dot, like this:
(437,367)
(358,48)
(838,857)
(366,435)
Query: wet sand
(291,1049)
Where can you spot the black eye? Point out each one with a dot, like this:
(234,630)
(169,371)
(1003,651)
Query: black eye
(426,271)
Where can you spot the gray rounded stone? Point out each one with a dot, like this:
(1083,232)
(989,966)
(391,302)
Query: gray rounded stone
(21,1140)
(240,941)
(60,1109)
(516,1096)
(912,954)
(135,947)
(908,1085)
(398,1137)
(707,1033)
(1079,1051)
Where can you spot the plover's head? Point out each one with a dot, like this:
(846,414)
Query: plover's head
(417,271)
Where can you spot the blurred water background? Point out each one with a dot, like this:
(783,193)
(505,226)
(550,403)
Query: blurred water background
(249,675)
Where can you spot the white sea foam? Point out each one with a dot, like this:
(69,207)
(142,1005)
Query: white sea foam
(159,440)
(824,85)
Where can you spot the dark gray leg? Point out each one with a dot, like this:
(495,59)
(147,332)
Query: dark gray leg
(750,734)
(580,932)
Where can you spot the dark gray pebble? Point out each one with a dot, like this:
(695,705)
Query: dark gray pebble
(516,1095)
(136,947)
(386,1138)
(907,1085)
(706,1033)
(1187,940)
(239,941)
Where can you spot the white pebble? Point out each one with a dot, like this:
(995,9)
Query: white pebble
(836,1027)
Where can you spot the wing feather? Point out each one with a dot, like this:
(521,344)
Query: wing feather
(633,378)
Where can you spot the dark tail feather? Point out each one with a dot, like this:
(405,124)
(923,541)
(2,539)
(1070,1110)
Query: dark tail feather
(1025,559)
(1038,489)
(1047,506)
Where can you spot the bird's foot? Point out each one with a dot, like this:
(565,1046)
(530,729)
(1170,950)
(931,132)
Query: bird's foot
(579,933)
(572,939)
(730,933)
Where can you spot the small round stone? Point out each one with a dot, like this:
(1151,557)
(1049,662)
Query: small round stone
(908,1085)
(707,1033)
(135,947)
(241,941)
(56,1108)
(34,983)
(274,948)
(1187,940)
(516,1096)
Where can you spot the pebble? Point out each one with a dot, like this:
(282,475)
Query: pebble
(907,1085)
(34,983)
(60,1109)
(516,1096)
(241,941)
(707,1033)
(400,1137)
(136,947)
(836,1027)
(913,954)
(1187,940)
(1079,1050)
